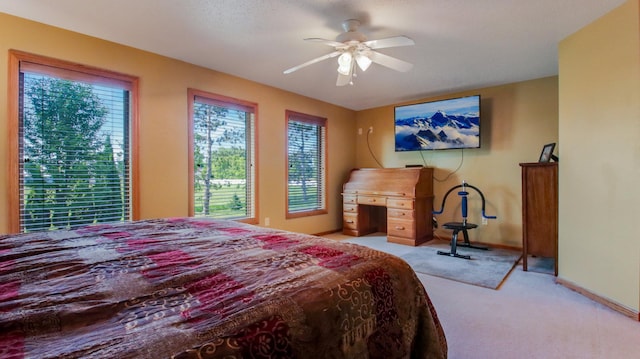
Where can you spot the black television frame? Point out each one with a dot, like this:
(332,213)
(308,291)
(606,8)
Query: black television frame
(424,126)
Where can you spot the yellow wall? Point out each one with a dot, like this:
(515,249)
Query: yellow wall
(516,121)
(163,123)
(599,130)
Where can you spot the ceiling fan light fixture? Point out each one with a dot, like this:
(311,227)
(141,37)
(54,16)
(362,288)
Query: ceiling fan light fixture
(363,61)
(351,47)
(344,63)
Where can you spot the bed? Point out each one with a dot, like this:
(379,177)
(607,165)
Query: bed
(202,288)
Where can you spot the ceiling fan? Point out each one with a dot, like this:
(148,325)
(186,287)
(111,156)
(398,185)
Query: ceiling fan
(351,47)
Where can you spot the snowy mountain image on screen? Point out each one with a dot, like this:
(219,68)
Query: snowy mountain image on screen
(439,131)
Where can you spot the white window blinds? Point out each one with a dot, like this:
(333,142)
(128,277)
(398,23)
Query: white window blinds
(73,148)
(223,157)
(306,163)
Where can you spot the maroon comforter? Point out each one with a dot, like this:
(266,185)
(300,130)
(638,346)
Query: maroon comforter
(198,288)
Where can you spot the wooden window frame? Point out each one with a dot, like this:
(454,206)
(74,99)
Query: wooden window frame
(314,120)
(60,68)
(229,102)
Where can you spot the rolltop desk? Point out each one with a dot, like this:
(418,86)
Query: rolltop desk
(397,201)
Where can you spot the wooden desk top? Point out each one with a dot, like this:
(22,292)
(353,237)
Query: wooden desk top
(411,182)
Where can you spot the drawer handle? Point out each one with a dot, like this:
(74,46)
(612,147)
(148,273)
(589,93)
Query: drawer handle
(350,222)
(400,228)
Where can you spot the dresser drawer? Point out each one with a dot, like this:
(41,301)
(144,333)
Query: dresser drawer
(372,200)
(349,208)
(349,199)
(401,228)
(400,203)
(395,213)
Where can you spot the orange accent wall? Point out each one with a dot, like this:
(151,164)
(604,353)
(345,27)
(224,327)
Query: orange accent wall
(163,125)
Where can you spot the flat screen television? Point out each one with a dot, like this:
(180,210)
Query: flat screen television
(438,125)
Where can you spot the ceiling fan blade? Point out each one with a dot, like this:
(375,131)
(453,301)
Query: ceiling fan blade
(311,62)
(325,41)
(390,62)
(389,42)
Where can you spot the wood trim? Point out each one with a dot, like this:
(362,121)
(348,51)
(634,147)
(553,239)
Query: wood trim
(13,194)
(302,214)
(134,147)
(622,309)
(60,68)
(256,168)
(321,234)
(191,95)
(72,71)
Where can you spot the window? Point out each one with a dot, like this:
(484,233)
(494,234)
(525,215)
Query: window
(306,165)
(73,147)
(222,183)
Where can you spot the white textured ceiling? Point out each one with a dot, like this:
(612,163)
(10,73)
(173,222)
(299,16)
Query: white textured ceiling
(460,44)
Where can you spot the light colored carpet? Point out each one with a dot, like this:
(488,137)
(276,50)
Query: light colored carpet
(530,316)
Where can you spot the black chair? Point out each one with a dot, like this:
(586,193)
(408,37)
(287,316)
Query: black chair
(463,226)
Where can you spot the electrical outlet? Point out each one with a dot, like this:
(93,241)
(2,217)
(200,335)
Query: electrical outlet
(484,221)
(267,221)
(360,131)
(371,129)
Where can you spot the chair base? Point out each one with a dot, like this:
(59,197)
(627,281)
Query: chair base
(463,256)
(457,227)
(469,245)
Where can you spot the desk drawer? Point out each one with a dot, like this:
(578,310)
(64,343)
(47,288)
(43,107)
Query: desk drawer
(395,213)
(400,203)
(372,200)
(350,221)
(349,199)
(350,208)
(401,228)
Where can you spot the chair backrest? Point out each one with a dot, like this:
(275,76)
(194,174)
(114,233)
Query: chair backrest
(464,194)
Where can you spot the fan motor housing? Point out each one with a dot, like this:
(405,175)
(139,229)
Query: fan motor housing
(351,32)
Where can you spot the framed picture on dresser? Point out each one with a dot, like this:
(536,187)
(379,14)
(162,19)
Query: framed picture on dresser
(547,153)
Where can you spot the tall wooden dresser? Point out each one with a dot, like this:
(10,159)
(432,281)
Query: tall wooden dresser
(540,211)
(398,201)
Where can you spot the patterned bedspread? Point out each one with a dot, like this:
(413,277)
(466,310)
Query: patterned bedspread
(199,288)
